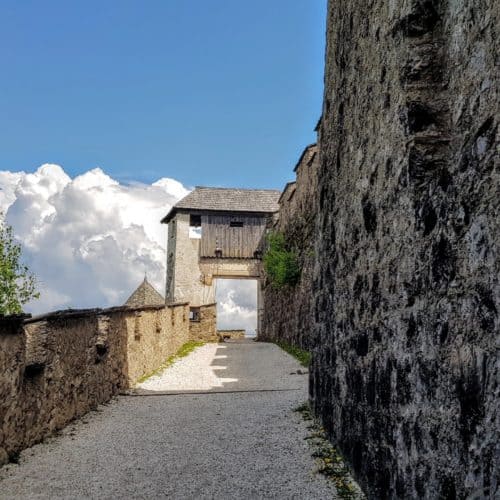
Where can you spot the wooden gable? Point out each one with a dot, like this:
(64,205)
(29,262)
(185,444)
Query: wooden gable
(235,236)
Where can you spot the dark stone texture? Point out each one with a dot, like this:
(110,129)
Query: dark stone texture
(399,297)
(288,312)
(406,281)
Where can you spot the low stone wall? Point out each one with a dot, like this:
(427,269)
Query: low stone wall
(231,334)
(154,334)
(56,368)
(205,328)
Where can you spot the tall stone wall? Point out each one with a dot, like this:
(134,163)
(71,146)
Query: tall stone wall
(407,292)
(56,368)
(287,312)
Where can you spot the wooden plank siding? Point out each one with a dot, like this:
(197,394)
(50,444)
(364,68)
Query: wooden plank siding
(235,242)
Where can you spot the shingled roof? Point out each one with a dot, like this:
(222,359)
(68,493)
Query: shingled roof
(227,200)
(145,295)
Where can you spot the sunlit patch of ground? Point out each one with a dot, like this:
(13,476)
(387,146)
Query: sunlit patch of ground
(196,372)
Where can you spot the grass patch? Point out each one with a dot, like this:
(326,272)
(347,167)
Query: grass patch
(186,349)
(329,460)
(303,357)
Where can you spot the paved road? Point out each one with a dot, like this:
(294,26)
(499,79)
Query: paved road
(233,435)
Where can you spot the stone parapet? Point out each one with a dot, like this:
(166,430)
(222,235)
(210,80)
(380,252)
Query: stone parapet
(56,367)
(231,334)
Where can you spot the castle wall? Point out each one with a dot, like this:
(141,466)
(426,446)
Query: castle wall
(193,279)
(184,280)
(287,313)
(153,335)
(406,288)
(231,334)
(205,329)
(171,251)
(58,367)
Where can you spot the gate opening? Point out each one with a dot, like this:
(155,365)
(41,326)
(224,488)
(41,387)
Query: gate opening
(237,305)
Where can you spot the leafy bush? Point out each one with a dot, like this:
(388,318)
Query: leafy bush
(281,265)
(17,283)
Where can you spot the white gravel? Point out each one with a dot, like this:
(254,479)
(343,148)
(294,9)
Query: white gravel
(247,444)
(229,366)
(194,372)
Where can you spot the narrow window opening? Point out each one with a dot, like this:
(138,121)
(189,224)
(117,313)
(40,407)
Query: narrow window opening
(218,249)
(195,226)
(236,223)
(194,314)
(195,220)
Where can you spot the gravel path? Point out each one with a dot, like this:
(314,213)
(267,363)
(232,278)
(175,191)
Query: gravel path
(207,444)
(230,366)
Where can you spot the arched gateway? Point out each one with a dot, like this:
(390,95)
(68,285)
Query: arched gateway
(216,233)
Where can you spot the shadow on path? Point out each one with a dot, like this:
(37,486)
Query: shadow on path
(231,366)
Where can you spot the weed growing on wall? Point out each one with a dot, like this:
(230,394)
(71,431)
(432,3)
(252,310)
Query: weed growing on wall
(281,265)
(329,460)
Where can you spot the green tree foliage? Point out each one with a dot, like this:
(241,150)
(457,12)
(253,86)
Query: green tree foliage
(17,283)
(281,265)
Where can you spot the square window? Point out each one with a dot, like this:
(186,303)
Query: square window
(194,314)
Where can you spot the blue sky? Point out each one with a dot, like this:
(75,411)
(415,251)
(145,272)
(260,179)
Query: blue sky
(209,92)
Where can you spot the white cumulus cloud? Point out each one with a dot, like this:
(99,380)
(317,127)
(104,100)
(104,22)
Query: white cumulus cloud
(89,240)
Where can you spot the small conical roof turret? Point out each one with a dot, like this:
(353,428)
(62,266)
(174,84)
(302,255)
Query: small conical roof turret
(145,295)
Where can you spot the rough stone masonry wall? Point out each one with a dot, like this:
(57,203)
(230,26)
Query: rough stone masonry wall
(183,266)
(287,312)
(153,335)
(57,368)
(205,329)
(231,334)
(405,374)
